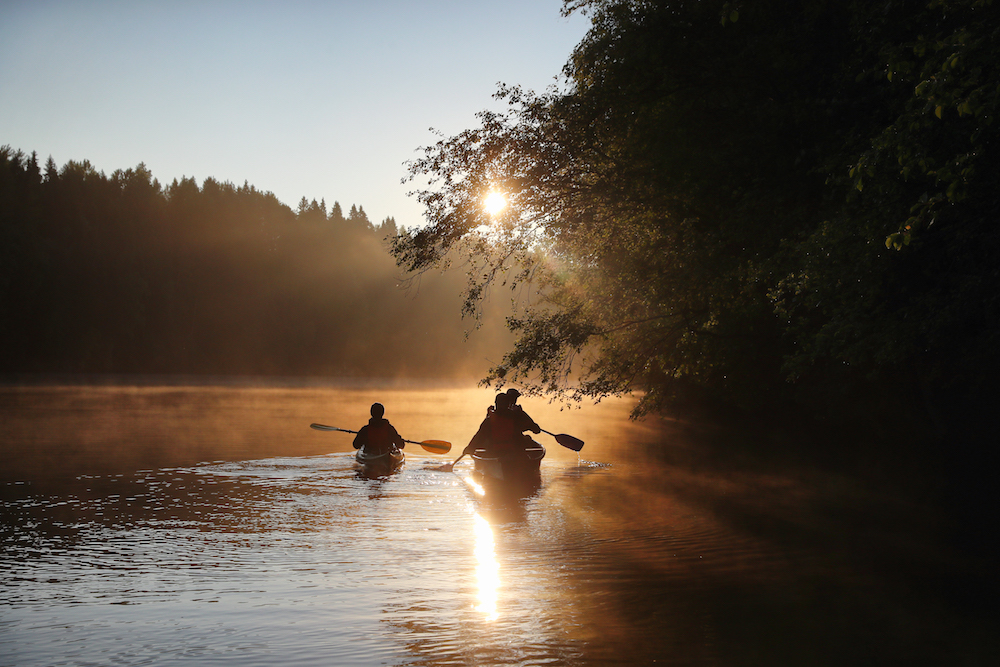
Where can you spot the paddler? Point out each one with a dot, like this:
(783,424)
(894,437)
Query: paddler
(378,435)
(502,432)
(483,438)
(523,418)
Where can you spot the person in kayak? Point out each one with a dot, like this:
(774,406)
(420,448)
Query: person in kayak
(378,435)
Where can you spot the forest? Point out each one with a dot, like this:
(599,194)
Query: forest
(784,208)
(122,275)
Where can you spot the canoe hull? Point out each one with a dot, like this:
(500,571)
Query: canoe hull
(519,466)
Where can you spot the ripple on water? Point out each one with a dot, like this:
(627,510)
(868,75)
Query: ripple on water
(304,560)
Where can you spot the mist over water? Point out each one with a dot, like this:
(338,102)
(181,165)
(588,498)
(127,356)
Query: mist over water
(197,525)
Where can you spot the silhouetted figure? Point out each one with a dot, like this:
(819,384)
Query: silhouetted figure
(482,440)
(502,425)
(378,435)
(501,432)
(524,421)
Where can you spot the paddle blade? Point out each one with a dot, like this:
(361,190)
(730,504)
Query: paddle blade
(452,464)
(322,427)
(436,446)
(569,442)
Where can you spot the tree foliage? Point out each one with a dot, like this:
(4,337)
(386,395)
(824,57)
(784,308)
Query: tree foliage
(708,204)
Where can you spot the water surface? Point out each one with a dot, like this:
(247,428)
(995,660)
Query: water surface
(209,525)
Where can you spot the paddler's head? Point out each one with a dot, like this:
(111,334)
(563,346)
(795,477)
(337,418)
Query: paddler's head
(377,410)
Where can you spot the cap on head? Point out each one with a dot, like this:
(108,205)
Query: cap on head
(377,410)
(513,393)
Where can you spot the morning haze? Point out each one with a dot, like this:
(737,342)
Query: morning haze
(120,275)
(766,228)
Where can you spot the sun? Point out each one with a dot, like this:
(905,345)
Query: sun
(494,202)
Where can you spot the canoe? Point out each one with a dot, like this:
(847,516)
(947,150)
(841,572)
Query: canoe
(519,465)
(380,463)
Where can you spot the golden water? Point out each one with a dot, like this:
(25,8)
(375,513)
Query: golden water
(209,525)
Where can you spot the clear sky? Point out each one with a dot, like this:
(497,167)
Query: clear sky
(325,100)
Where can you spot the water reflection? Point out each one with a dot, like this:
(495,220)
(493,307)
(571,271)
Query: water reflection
(248,558)
(475,486)
(487,569)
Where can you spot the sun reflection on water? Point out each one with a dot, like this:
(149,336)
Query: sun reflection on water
(476,487)
(487,569)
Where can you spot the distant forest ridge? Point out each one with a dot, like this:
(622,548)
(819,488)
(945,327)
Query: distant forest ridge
(120,274)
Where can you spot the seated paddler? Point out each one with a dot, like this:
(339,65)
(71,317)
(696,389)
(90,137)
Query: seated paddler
(482,439)
(378,436)
(522,421)
(506,428)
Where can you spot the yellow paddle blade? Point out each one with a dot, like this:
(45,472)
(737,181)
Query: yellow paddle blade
(436,446)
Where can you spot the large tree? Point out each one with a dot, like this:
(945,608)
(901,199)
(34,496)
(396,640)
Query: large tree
(687,207)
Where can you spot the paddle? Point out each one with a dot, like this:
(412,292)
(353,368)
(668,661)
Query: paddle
(435,446)
(448,467)
(566,441)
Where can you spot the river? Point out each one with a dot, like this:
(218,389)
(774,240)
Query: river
(198,525)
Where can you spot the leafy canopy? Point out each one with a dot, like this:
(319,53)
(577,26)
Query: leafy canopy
(703,205)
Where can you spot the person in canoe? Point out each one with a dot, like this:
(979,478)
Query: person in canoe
(502,432)
(378,435)
(513,395)
(482,440)
(521,418)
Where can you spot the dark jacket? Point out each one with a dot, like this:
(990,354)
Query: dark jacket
(377,437)
(501,431)
(523,421)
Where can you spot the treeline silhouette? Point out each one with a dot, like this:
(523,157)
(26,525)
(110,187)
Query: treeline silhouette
(120,274)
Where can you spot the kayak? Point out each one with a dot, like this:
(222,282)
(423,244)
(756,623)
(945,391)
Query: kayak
(380,463)
(519,465)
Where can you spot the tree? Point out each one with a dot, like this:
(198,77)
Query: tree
(336,213)
(358,217)
(312,211)
(388,229)
(635,201)
(685,209)
(51,170)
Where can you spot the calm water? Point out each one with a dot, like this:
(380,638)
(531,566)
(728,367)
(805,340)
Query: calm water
(200,526)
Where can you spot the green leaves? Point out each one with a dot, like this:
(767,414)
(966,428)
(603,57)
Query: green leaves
(897,240)
(942,132)
(730,12)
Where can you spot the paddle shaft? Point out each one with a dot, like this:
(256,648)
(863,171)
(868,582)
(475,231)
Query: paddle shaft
(436,446)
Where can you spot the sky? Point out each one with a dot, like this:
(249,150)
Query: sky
(323,100)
